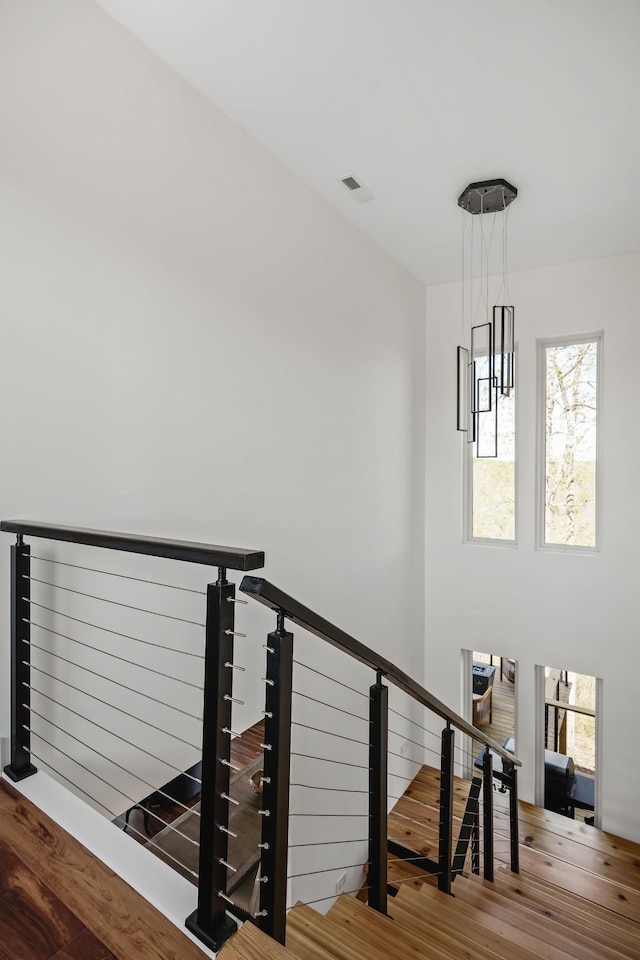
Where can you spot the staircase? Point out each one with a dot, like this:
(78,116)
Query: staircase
(577,896)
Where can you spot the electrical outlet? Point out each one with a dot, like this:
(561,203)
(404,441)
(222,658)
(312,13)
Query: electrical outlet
(340,882)
(404,749)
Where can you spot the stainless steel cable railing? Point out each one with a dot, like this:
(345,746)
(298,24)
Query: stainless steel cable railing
(131,688)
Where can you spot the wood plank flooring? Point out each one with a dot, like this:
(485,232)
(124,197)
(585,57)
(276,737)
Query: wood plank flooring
(58,902)
(577,897)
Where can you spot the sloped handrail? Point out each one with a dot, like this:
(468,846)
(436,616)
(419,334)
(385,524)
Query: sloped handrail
(271,596)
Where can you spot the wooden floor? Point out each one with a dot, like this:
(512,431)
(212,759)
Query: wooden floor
(502,724)
(577,897)
(58,902)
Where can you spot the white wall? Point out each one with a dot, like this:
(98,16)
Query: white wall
(193,344)
(540,607)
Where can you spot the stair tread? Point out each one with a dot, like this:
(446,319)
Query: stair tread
(576,913)
(602,862)
(556,923)
(539,887)
(250,943)
(454,942)
(361,922)
(495,937)
(578,831)
(552,932)
(618,898)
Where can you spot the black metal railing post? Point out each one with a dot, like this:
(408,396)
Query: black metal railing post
(487,814)
(512,783)
(378,791)
(275,797)
(209,922)
(20,765)
(445,840)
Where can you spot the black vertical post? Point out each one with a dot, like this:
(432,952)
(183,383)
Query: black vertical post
(20,766)
(487,812)
(512,773)
(275,797)
(378,744)
(445,841)
(209,922)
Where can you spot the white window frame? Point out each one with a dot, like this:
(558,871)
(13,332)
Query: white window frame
(467,520)
(541,404)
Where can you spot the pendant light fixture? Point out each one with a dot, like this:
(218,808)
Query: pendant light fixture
(486,362)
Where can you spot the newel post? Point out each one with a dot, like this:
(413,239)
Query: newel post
(378,743)
(445,841)
(487,812)
(512,775)
(209,922)
(20,765)
(275,797)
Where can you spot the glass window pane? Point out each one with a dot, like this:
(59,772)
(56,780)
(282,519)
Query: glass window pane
(493,481)
(571,387)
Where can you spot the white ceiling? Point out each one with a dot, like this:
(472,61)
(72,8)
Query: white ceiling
(416,98)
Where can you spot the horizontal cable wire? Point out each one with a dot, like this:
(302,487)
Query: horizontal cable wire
(147,840)
(415,742)
(115,603)
(414,722)
(401,757)
(101,676)
(113,706)
(331,706)
(32,753)
(419,876)
(311,786)
(332,679)
(327,843)
(329,733)
(332,896)
(311,873)
(116,633)
(405,797)
(418,856)
(402,816)
(121,576)
(112,734)
(106,653)
(364,816)
(114,762)
(111,787)
(413,836)
(343,763)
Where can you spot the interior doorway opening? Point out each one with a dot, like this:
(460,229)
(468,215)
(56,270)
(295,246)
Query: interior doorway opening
(571,744)
(494,697)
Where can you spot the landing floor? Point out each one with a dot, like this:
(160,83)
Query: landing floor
(58,902)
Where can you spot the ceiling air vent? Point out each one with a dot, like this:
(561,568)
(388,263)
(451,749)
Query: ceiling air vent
(356,189)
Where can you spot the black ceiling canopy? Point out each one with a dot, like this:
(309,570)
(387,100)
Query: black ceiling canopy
(487,196)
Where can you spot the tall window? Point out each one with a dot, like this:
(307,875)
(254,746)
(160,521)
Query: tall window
(492,482)
(569,433)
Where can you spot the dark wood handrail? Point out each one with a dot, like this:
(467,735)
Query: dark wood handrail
(274,598)
(233,558)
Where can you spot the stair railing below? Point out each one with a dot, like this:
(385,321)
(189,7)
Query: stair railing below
(340,698)
(380,849)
